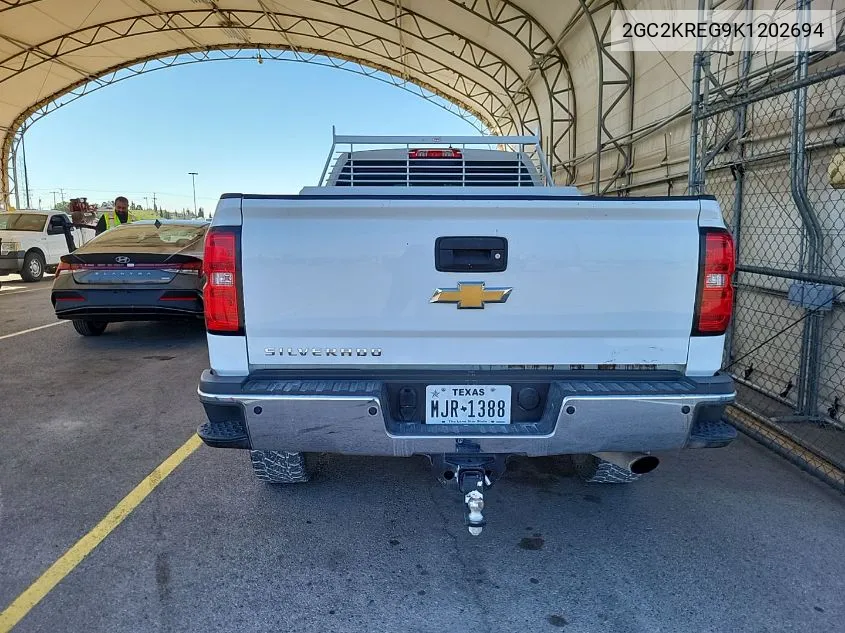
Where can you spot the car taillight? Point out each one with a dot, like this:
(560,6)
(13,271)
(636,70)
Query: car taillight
(221,293)
(715,283)
(434,153)
(63,268)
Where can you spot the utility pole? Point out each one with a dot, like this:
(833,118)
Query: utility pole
(54,198)
(193,176)
(146,203)
(62,191)
(39,204)
(155,208)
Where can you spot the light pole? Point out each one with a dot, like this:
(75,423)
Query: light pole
(193,176)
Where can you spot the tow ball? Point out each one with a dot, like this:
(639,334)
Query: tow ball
(474,500)
(471,474)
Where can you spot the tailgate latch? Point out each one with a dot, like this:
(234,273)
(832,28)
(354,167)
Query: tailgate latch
(471,254)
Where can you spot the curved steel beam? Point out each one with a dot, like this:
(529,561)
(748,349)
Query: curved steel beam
(482,58)
(242,21)
(14,180)
(484,62)
(8,5)
(7,152)
(253,54)
(548,61)
(624,87)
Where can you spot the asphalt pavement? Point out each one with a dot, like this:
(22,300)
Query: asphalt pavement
(27,309)
(733,540)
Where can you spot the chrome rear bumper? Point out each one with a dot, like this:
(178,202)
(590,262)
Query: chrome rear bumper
(353,416)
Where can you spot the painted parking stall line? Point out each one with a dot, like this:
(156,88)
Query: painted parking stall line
(8,291)
(36,592)
(32,329)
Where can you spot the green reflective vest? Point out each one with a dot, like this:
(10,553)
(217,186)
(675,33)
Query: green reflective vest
(113,220)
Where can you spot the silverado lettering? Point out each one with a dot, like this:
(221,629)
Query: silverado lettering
(317,351)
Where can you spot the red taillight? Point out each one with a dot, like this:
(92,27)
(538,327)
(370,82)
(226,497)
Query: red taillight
(178,296)
(221,292)
(715,284)
(69,296)
(434,153)
(63,268)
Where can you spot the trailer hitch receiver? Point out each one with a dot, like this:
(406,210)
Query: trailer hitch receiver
(471,473)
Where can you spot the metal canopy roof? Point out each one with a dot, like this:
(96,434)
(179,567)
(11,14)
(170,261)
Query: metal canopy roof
(504,61)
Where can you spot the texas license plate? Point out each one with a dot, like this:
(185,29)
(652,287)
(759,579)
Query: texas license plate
(462,404)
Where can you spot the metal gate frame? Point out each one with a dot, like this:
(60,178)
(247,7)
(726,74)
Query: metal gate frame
(763,134)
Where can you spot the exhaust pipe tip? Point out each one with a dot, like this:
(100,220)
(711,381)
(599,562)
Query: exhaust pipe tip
(644,464)
(636,463)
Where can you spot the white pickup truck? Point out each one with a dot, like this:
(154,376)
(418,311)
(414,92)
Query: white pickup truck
(448,302)
(33,242)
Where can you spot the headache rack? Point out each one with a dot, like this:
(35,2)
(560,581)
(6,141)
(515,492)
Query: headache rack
(432,161)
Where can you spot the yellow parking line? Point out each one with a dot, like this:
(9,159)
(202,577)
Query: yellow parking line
(84,546)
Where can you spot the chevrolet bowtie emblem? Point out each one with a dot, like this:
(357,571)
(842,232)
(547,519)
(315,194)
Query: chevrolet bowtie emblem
(471,294)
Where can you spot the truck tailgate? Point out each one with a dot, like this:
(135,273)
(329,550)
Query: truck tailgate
(334,281)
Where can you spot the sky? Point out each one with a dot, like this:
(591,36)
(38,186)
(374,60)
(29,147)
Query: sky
(244,127)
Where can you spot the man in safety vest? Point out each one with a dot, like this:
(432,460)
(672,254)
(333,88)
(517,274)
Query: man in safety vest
(114,217)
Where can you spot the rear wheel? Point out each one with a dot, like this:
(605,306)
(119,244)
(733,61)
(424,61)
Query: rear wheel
(33,267)
(283,467)
(89,328)
(597,471)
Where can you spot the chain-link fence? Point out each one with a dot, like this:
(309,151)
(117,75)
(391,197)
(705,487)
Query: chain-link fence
(771,148)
